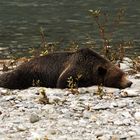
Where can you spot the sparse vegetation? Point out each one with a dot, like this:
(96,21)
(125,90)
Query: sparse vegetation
(43,99)
(36,83)
(73,84)
(103,21)
(136,64)
(100,91)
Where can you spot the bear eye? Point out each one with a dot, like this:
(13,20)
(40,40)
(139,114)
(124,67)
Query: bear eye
(102,71)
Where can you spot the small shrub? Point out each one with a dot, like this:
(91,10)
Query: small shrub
(36,83)
(73,46)
(100,91)
(73,83)
(105,32)
(43,99)
(136,64)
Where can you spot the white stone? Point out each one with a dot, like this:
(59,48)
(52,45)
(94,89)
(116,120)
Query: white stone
(126,114)
(127,59)
(130,93)
(122,104)
(126,121)
(101,106)
(118,122)
(137,116)
(124,66)
(8,98)
(21,127)
(99,133)
(4,91)
(132,133)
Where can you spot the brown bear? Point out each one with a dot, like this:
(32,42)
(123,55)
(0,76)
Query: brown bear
(54,69)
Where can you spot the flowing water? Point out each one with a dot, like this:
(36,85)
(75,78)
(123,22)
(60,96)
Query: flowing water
(67,20)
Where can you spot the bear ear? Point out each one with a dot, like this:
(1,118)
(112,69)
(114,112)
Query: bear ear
(102,71)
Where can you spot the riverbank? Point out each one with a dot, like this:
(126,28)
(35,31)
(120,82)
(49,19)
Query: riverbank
(26,115)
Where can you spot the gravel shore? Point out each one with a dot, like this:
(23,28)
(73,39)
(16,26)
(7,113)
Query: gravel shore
(59,114)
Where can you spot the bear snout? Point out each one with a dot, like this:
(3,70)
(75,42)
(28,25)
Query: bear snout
(129,83)
(126,84)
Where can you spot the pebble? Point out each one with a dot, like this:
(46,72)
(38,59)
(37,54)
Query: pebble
(8,98)
(124,66)
(132,133)
(105,137)
(21,127)
(126,114)
(34,118)
(122,104)
(113,104)
(135,138)
(118,122)
(87,114)
(126,122)
(101,106)
(137,116)
(99,133)
(4,91)
(127,60)
(130,93)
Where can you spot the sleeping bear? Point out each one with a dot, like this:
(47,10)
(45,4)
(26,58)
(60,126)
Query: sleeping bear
(54,69)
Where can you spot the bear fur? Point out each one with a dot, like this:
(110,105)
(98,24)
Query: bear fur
(54,69)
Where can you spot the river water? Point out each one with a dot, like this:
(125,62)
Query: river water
(67,20)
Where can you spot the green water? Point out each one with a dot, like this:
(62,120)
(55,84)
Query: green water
(67,20)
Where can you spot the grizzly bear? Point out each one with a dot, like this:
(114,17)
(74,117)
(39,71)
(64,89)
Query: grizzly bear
(54,70)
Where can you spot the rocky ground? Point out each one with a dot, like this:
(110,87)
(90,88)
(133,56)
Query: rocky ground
(54,114)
